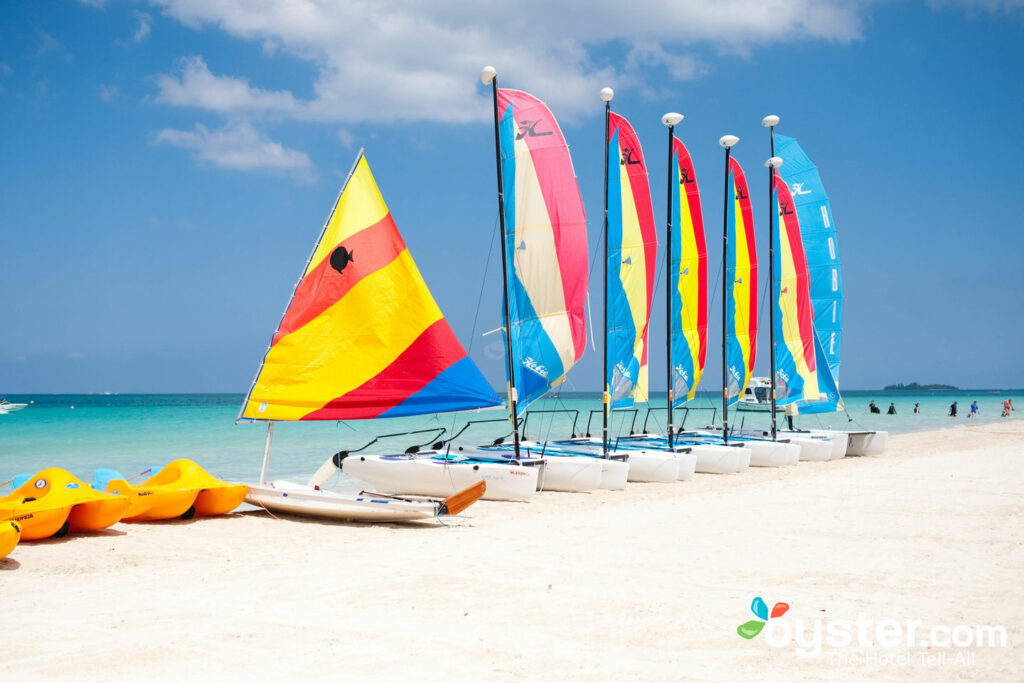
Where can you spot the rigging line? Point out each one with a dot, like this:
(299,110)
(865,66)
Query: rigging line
(480,297)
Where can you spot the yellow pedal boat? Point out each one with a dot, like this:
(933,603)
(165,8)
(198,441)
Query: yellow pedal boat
(10,534)
(55,502)
(181,489)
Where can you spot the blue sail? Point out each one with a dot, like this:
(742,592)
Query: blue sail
(821,246)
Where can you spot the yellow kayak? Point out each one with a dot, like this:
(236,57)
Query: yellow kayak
(55,502)
(10,534)
(181,489)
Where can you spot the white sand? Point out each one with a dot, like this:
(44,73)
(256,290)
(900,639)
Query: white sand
(649,583)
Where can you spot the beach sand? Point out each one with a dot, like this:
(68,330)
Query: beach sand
(650,583)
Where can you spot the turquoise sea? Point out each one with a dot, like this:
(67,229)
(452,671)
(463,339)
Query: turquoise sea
(133,432)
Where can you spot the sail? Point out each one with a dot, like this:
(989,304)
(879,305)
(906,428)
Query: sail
(546,246)
(362,337)
(822,249)
(689,266)
(632,250)
(796,377)
(741,297)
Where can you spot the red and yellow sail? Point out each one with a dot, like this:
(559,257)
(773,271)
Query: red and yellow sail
(796,376)
(362,336)
(741,285)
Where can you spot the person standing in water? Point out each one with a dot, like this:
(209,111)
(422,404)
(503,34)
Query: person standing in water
(974,409)
(917,408)
(873,408)
(952,410)
(1007,406)
(892,409)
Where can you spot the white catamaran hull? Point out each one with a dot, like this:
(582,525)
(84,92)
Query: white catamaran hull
(867,443)
(771,453)
(284,496)
(687,465)
(645,466)
(837,440)
(614,473)
(570,473)
(715,459)
(423,476)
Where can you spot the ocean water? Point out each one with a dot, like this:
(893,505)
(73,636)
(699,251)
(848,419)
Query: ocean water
(131,433)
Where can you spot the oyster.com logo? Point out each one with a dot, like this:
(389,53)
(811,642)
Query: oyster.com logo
(760,610)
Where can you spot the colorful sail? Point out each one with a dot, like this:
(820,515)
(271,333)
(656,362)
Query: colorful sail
(632,250)
(796,377)
(362,337)
(741,297)
(546,245)
(689,310)
(822,249)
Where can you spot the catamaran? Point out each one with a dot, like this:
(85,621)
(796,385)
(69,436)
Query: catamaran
(544,283)
(362,338)
(817,226)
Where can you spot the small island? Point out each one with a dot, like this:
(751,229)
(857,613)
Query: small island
(914,386)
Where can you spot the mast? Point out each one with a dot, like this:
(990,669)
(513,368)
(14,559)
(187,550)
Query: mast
(490,75)
(770,122)
(726,141)
(606,96)
(670,119)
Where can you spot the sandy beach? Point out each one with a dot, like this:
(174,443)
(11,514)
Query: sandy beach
(650,583)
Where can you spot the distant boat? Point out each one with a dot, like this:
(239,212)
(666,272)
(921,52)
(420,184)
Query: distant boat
(8,407)
(756,397)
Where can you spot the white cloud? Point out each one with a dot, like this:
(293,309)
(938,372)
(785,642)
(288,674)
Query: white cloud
(239,146)
(345,138)
(5,69)
(107,92)
(194,86)
(389,61)
(47,43)
(144,27)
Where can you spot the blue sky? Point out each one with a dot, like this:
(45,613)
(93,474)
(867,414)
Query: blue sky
(167,165)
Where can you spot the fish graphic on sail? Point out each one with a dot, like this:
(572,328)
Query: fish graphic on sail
(362,337)
(632,251)
(689,265)
(796,376)
(546,246)
(741,296)
(826,287)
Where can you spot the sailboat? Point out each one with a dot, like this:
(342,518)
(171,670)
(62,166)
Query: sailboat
(826,290)
(362,338)
(686,321)
(739,311)
(631,246)
(544,284)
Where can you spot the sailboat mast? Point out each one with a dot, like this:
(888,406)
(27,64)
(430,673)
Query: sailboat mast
(489,73)
(670,119)
(606,96)
(726,141)
(770,122)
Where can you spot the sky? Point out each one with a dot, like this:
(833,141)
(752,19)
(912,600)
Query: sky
(166,166)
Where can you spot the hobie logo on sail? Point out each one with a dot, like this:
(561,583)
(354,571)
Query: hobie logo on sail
(681,371)
(685,176)
(529,129)
(532,365)
(798,188)
(624,371)
(627,157)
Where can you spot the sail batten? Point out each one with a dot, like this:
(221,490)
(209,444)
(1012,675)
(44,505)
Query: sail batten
(741,286)
(362,337)
(632,253)
(545,246)
(688,266)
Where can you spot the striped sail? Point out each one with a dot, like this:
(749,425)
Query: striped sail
(796,377)
(362,337)
(546,245)
(689,310)
(822,249)
(632,250)
(741,296)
